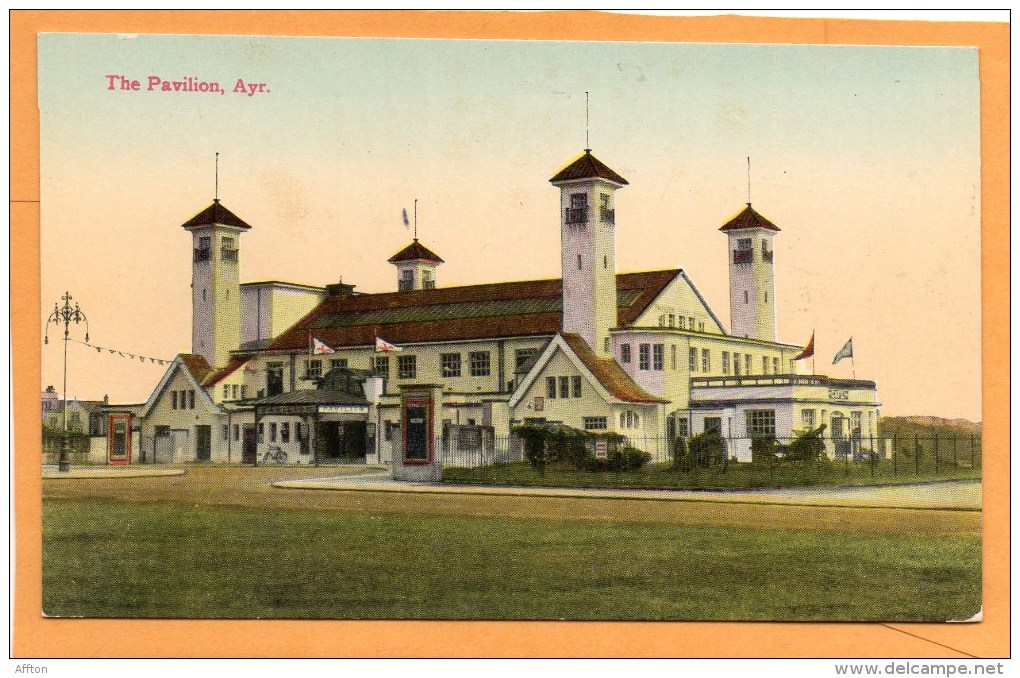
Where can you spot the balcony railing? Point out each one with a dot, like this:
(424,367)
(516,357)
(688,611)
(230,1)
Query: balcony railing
(779,380)
(608,215)
(577,215)
(228,255)
(742,256)
(202,253)
(766,255)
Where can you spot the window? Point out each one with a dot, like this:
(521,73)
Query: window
(691,326)
(202,251)
(606,346)
(680,322)
(706,360)
(272,433)
(625,353)
(807,418)
(262,433)
(744,244)
(692,359)
(406,281)
(855,422)
(191,400)
(381,365)
(745,296)
(747,364)
(578,200)
(539,403)
(479,363)
(407,367)
(564,387)
(234,389)
(237,432)
(577,213)
(388,427)
(285,432)
(725,362)
(761,423)
(595,423)
(701,326)
(578,262)
(644,356)
(337,363)
(313,369)
(672,320)
(606,211)
(450,364)
(427,281)
(226,432)
(522,356)
(550,388)
(658,356)
(226,391)
(228,251)
(713,425)
(299,433)
(629,419)
(274,378)
(775,365)
(173,400)
(244,390)
(672,357)
(764,364)
(575,387)
(662,320)
(736,364)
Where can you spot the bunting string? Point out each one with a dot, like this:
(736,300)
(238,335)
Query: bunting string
(123,354)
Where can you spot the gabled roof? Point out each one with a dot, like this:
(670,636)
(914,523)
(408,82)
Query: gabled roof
(605,373)
(215,214)
(192,366)
(588,167)
(197,365)
(748,218)
(609,373)
(415,252)
(213,377)
(514,309)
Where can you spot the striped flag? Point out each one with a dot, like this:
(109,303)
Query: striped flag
(383,346)
(808,351)
(319,347)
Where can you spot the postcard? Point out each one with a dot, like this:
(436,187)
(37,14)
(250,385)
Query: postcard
(509,330)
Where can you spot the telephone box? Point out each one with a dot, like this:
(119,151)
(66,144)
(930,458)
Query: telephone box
(118,439)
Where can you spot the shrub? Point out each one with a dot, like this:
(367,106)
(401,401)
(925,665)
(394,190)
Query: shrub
(763,450)
(807,446)
(534,444)
(681,455)
(627,459)
(707,449)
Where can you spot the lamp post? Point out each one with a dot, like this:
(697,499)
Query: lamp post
(66,315)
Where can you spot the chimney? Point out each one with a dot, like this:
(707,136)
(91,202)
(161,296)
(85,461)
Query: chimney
(106,399)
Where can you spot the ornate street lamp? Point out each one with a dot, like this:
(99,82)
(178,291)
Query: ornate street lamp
(66,315)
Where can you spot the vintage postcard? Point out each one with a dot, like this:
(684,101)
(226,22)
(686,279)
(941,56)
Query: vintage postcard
(368,328)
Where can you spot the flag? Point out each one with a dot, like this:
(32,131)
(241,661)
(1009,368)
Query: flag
(808,351)
(407,222)
(846,352)
(319,347)
(383,346)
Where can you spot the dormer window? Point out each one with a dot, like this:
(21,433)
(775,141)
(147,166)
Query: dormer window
(427,281)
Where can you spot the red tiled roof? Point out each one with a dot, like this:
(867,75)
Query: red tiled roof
(609,373)
(526,308)
(748,218)
(197,365)
(414,252)
(215,376)
(215,214)
(588,167)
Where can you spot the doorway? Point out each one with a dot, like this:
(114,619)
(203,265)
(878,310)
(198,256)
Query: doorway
(203,442)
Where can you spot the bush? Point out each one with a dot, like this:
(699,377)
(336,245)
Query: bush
(807,446)
(627,459)
(763,450)
(707,449)
(681,455)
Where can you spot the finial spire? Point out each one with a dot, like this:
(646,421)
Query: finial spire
(416,219)
(587,142)
(748,181)
(216,193)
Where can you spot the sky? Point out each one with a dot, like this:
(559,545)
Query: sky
(867,158)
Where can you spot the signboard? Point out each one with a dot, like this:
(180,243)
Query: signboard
(343,409)
(601,449)
(839,394)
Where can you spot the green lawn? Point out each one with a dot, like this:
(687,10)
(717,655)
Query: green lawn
(522,474)
(110,559)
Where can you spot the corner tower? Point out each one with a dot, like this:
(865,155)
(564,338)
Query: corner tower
(416,267)
(752,276)
(588,249)
(215,282)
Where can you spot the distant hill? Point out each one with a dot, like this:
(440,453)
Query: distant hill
(928,426)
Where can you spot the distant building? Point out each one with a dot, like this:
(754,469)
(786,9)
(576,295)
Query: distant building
(309,371)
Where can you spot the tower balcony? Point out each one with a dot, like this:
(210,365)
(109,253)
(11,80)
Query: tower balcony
(228,255)
(202,253)
(742,256)
(608,215)
(576,215)
(766,255)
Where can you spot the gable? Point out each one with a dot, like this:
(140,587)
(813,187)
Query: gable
(177,378)
(681,299)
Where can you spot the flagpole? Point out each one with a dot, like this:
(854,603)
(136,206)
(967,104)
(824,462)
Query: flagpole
(853,367)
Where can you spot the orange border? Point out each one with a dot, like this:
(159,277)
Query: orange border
(38,637)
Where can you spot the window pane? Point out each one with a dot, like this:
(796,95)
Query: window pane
(575,387)
(550,387)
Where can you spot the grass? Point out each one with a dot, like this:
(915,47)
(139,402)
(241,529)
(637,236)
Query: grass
(113,559)
(742,475)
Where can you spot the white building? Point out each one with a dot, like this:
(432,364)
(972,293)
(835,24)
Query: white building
(641,354)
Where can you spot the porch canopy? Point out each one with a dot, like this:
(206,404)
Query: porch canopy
(311,402)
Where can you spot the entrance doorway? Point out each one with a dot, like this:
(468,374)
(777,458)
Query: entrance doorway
(248,445)
(203,442)
(342,441)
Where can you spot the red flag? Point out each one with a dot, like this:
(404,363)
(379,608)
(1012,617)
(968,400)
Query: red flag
(808,351)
